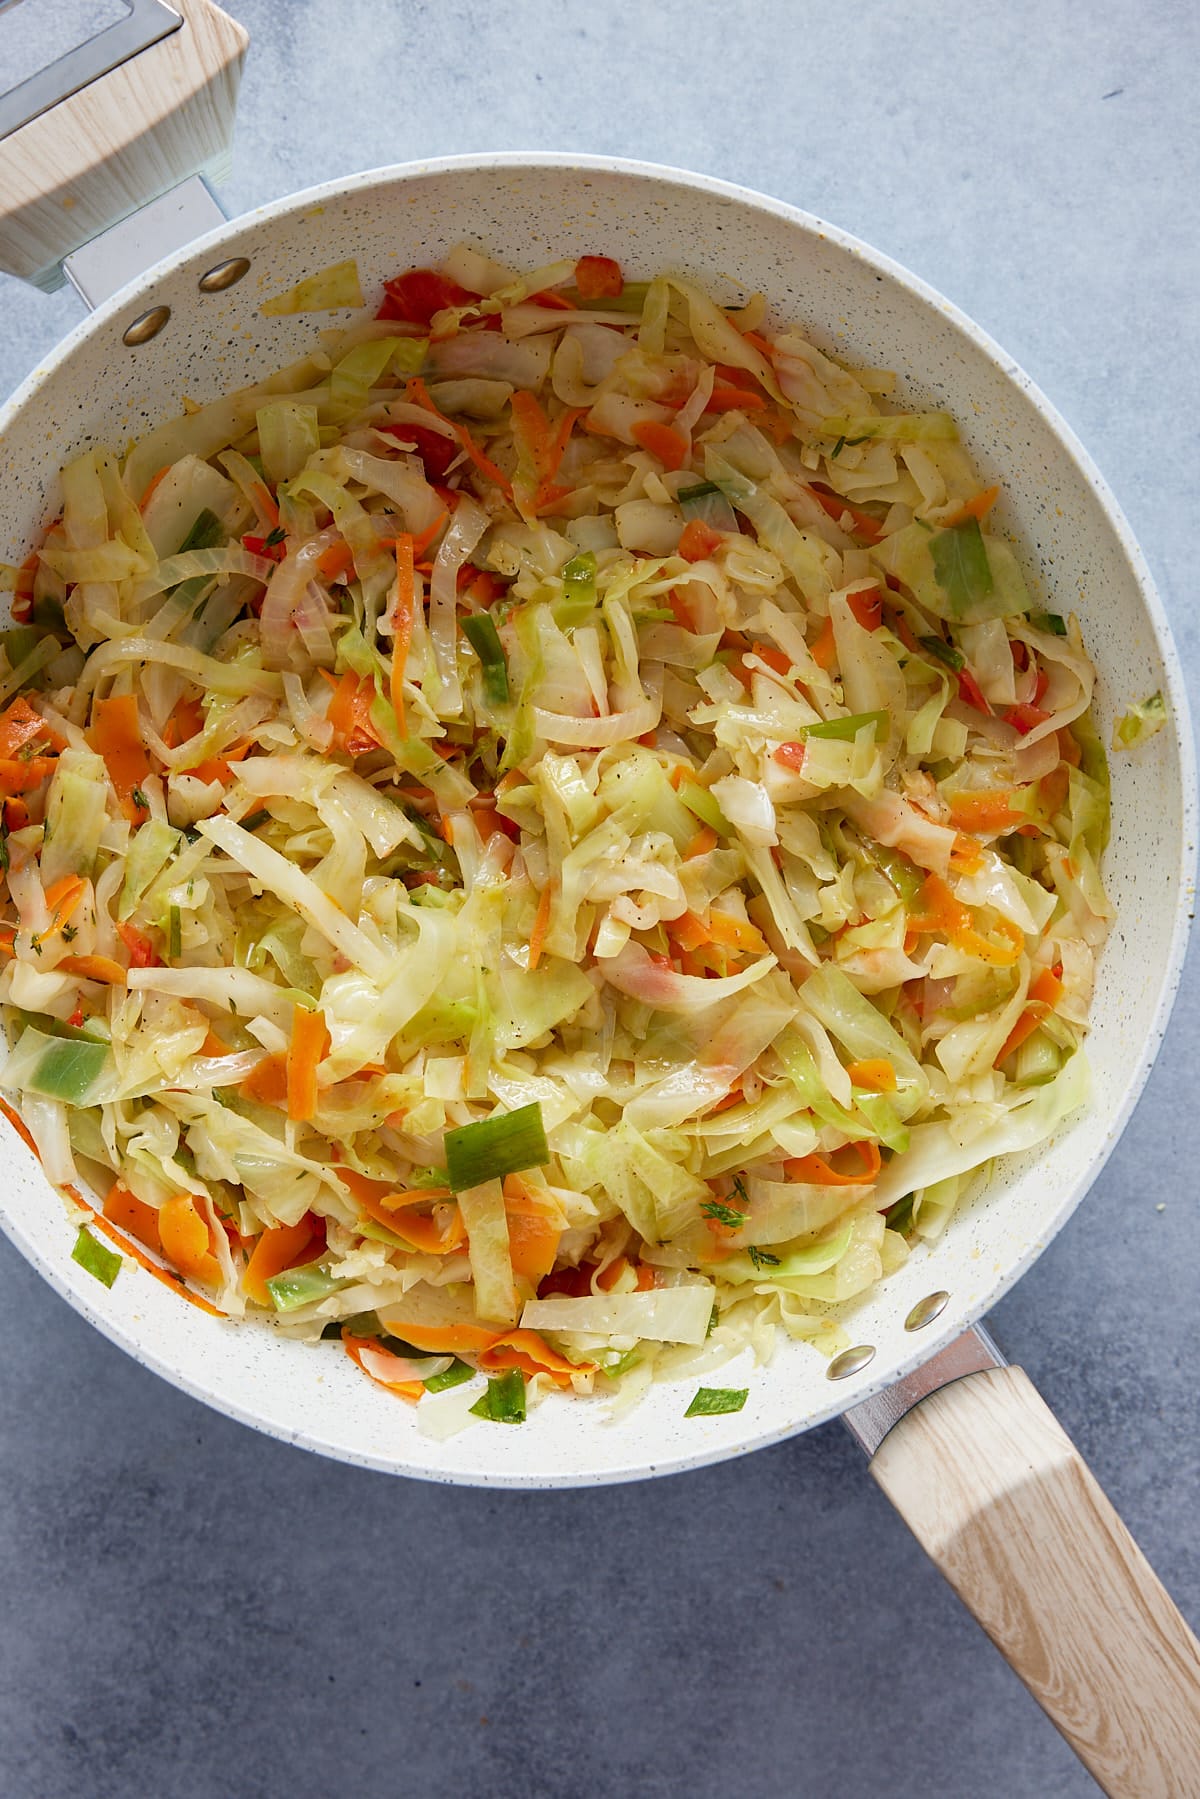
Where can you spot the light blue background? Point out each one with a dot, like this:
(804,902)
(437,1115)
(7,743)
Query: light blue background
(194,1611)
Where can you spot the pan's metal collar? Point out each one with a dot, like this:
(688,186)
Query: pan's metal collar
(871,1420)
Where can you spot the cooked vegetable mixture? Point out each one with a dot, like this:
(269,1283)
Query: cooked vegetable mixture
(548,839)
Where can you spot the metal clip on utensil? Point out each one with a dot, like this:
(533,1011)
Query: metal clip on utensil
(118,133)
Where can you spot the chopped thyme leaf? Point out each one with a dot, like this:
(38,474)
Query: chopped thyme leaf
(762,1258)
(714,1208)
(139,799)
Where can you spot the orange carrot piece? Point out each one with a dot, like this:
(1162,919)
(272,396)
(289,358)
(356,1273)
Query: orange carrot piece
(993,811)
(349,713)
(541,919)
(526,1350)
(598,278)
(690,931)
(151,485)
(867,607)
(132,1214)
(534,1230)
(875,1073)
(22,777)
(310,1042)
(62,897)
(185,1239)
(20,726)
(279,1247)
(817,1172)
(335,561)
(824,650)
(138,1255)
(670,446)
(268,1082)
(737,933)
(116,735)
(418,394)
(697,544)
(789,756)
(706,839)
(355,1346)
(93,968)
(978,506)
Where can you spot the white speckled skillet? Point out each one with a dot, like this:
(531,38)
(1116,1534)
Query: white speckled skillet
(990,1436)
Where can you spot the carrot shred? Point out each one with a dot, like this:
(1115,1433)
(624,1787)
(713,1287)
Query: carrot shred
(670,446)
(186,1240)
(992,811)
(541,919)
(697,544)
(824,650)
(310,1042)
(978,507)
(736,933)
(598,278)
(690,931)
(116,735)
(93,968)
(268,1082)
(20,726)
(335,561)
(132,1214)
(875,1073)
(349,713)
(534,1230)
(279,1247)
(818,1172)
(702,843)
(355,1346)
(867,606)
(151,485)
(1045,991)
(526,1350)
(789,756)
(418,394)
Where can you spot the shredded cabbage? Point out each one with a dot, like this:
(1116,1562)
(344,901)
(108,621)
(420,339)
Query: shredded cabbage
(547,703)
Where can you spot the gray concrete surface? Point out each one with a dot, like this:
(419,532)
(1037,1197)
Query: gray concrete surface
(197,1612)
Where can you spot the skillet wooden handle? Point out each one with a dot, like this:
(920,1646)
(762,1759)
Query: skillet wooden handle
(998,1495)
(162,116)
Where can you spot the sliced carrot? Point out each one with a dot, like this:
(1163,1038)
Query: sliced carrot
(138,1255)
(867,606)
(185,721)
(116,735)
(690,931)
(526,1350)
(93,968)
(309,1044)
(698,542)
(993,811)
(268,1082)
(966,855)
(737,933)
(132,1214)
(445,1339)
(824,650)
(726,398)
(598,278)
(702,843)
(789,756)
(279,1247)
(62,898)
(534,1230)
(17,776)
(185,1239)
(355,1348)
(350,714)
(978,506)
(670,446)
(837,508)
(422,539)
(151,485)
(541,919)
(335,561)
(418,394)
(21,726)
(875,1073)
(818,1172)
